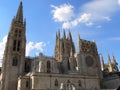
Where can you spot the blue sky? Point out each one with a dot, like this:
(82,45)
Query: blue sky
(93,19)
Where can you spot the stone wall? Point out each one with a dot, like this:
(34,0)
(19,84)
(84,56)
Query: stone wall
(44,81)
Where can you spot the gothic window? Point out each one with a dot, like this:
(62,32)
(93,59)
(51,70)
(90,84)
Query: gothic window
(18,46)
(56,82)
(79,83)
(68,65)
(15,61)
(27,67)
(14,45)
(48,66)
(20,33)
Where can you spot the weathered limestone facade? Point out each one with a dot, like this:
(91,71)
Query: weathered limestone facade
(68,70)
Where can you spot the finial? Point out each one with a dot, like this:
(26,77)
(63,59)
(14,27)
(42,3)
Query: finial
(113,59)
(70,36)
(59,33)
(64,35)
(56,35)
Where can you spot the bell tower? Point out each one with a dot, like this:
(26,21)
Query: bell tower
(14,54)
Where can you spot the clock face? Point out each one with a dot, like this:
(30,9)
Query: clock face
(89,61)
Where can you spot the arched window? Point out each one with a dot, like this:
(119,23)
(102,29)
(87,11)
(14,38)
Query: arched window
(14,62)
(48,67)
(56,82)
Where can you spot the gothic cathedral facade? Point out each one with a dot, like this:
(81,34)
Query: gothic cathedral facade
(67,70)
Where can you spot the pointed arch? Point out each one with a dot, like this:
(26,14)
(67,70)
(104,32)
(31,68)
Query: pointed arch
(48,67)
(56,82)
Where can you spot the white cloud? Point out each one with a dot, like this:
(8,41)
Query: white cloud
(100,8)
(66,25)
(30,46)
(84,18)
(119,2)
(2,46)
(62,13)
(91,12)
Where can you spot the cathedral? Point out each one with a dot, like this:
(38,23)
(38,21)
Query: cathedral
(67,70)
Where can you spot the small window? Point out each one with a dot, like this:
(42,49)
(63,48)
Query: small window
(56,82)
(16,32)
(15,61)
(14,45)
(20,33)
(48,67)
(27,84)
(79,83)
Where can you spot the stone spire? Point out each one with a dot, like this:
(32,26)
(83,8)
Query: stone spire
(56,37)
(115,64)
(70,36)
(113,59)
(59,34)
(79,43)
(102,63)
(109,64)
(64,35)
(19,15)
(109,61)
